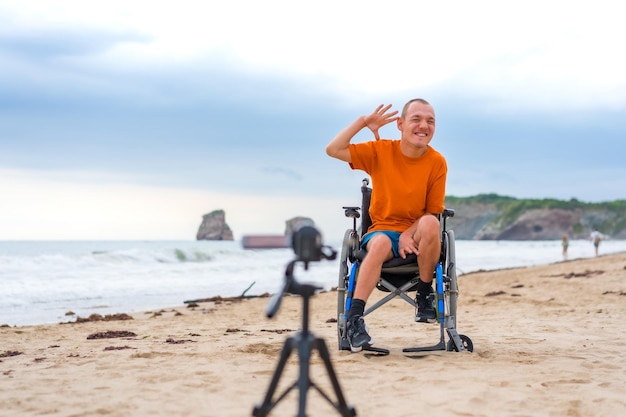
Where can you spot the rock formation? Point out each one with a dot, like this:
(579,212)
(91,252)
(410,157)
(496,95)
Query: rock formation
(214,227)
(292,224)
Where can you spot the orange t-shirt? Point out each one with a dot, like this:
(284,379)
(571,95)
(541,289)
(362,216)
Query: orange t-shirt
(403,188)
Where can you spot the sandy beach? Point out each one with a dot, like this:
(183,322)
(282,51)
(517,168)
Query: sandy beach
(548,341)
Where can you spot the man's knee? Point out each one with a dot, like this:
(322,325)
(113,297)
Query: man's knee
(428,228)
(379,244)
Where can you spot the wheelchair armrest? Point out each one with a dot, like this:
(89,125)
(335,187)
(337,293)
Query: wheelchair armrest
(352,212)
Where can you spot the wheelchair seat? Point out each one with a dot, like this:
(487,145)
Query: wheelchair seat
(395,270)
(398,278)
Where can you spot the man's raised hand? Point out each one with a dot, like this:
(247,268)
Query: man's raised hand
(379,118)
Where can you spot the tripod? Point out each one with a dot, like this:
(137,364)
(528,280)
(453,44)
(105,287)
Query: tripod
(305,343)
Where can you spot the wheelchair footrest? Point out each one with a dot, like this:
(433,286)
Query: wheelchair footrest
(378,351)
(439,346)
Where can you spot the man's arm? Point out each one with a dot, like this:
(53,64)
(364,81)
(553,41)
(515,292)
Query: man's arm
(339,147)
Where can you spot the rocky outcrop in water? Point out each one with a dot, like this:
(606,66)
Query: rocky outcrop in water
(276,241)
(214,227)
(294,223)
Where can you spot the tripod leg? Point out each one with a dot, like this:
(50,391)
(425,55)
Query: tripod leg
(267,405)
(341,406)
(304,381)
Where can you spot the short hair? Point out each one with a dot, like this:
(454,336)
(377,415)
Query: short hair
(408,103)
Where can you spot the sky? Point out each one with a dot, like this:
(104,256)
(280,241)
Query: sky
(132,119)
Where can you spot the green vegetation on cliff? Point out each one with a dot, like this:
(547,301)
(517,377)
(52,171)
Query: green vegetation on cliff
(499,213)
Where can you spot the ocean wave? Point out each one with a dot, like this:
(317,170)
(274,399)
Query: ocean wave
(41,281)
(142,256)
(116,257)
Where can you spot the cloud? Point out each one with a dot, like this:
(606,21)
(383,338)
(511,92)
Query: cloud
(48,44)
(236,99)
(288,173)
(425,47)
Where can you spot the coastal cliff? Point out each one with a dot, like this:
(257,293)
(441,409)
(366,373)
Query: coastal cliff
(495,217)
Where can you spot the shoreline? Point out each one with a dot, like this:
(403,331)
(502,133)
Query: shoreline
(547,341)
(45,282)
(28,315)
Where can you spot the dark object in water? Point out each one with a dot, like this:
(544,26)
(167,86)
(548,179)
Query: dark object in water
(265,242)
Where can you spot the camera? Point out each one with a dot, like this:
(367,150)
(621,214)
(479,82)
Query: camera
(306,242)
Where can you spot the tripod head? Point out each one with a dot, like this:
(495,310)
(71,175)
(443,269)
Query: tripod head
(307,245)
(306,242)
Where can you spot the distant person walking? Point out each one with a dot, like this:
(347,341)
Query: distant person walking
(596,237)
(565,244)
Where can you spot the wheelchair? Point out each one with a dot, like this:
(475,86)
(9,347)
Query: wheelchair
(398,278)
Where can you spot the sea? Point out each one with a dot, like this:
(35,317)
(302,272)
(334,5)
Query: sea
(44,282)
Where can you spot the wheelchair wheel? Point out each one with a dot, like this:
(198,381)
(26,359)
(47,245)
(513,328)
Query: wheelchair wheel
(452,293)
(348,247)
(467,344)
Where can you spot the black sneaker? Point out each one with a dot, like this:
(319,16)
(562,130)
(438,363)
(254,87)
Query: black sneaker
(357,334)
(425,308)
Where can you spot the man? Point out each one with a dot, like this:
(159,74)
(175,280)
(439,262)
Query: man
(408,178)
(596,237)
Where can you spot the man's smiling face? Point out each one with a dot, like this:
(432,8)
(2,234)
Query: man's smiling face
(417,126)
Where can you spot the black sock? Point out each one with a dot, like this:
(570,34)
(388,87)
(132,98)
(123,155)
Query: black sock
(423,287)
(357,307)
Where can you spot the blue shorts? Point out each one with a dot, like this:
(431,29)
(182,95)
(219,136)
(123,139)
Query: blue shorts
(393,236)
